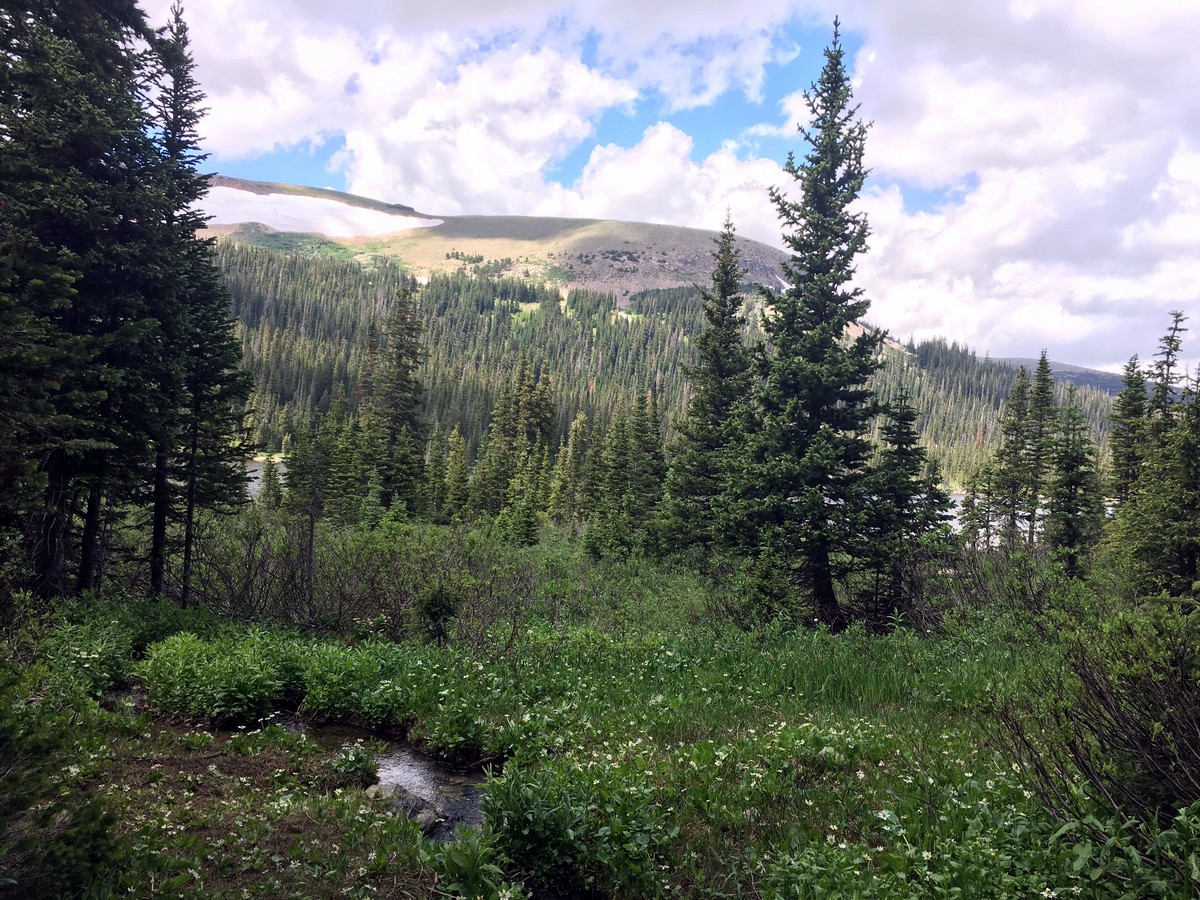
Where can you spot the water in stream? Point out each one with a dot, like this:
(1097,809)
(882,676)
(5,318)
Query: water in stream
(457,794)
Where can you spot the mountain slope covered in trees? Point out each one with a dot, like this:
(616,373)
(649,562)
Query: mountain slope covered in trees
(306,325)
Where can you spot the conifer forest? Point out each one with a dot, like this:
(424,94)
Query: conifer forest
(709,591)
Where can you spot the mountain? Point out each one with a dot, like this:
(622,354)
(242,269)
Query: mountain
(594,254)
(1108,382)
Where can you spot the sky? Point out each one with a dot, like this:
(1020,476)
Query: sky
(1035,164)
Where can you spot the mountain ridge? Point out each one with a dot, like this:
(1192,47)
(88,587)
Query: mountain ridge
(607,255)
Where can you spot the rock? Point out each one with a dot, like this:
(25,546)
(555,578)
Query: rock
(425,813)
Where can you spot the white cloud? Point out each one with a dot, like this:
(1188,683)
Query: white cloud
(1066,132)
(656,180)
(287,212)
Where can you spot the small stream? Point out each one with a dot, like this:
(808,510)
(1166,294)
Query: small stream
(455,795)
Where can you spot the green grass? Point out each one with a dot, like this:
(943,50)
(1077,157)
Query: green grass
(636,749)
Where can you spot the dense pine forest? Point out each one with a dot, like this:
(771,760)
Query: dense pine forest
(673,584)
(308,320)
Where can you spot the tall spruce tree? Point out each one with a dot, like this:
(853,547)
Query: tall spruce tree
(1126,431)
(720,381)
(398,407)
(908,503)
(81,199)
(199,447)
(1076,509)
(1042,430)
(798,497)
(1011,483)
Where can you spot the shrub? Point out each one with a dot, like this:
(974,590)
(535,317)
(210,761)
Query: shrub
(336,678)
(579,832)
(54,841)
(228,680)
(97,655)
(1123,713)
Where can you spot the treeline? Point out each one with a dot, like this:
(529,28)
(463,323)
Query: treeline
(120,395)
(1043,486)
(306,325)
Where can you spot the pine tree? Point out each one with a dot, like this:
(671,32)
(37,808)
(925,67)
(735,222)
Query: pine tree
(799,499)
(270,491)
(202,449)
(458,476)
(907,503)
(568,481)
(1042,425)
(436,462)
(81,207)
(1164,380)
(1126,431)
(1076,508)
(1157,532)
(720,380)
(1011,482)
(398,407)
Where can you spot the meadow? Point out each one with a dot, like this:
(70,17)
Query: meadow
(636,744)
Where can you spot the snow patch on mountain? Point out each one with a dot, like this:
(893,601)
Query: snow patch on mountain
(287,212)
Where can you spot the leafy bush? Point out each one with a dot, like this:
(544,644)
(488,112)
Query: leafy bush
(229,680)
(470,866)
(580,832)
(336,678)
(1122,714)
(98,655)
(55,839)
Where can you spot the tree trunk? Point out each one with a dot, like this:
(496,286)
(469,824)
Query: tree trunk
(825,603)
(50,550)
(158,526)
(189,515)
(89,551)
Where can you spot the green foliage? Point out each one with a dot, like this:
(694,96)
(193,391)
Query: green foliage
(579,833)
(470,866)
(1154,542)
(235,680)
(56,839)
(796,497)
(719,381)
(1075,512)
(97,655)
(356,764)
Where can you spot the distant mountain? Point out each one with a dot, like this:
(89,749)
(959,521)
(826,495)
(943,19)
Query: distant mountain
(621,258)
(1108,382)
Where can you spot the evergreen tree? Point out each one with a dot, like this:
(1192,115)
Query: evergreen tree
(908,503)
(1157,532)
(458,476)
(568,481)
(80,210)
(1164,380)
(798,499)
(1039,444)
(1076,509)
(720,380)
(436,462)
(270,491)
(1126,432)
(202,450)
(398,407)
(972,515)
(1011,482)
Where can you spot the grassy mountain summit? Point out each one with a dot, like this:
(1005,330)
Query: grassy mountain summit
(594,254)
